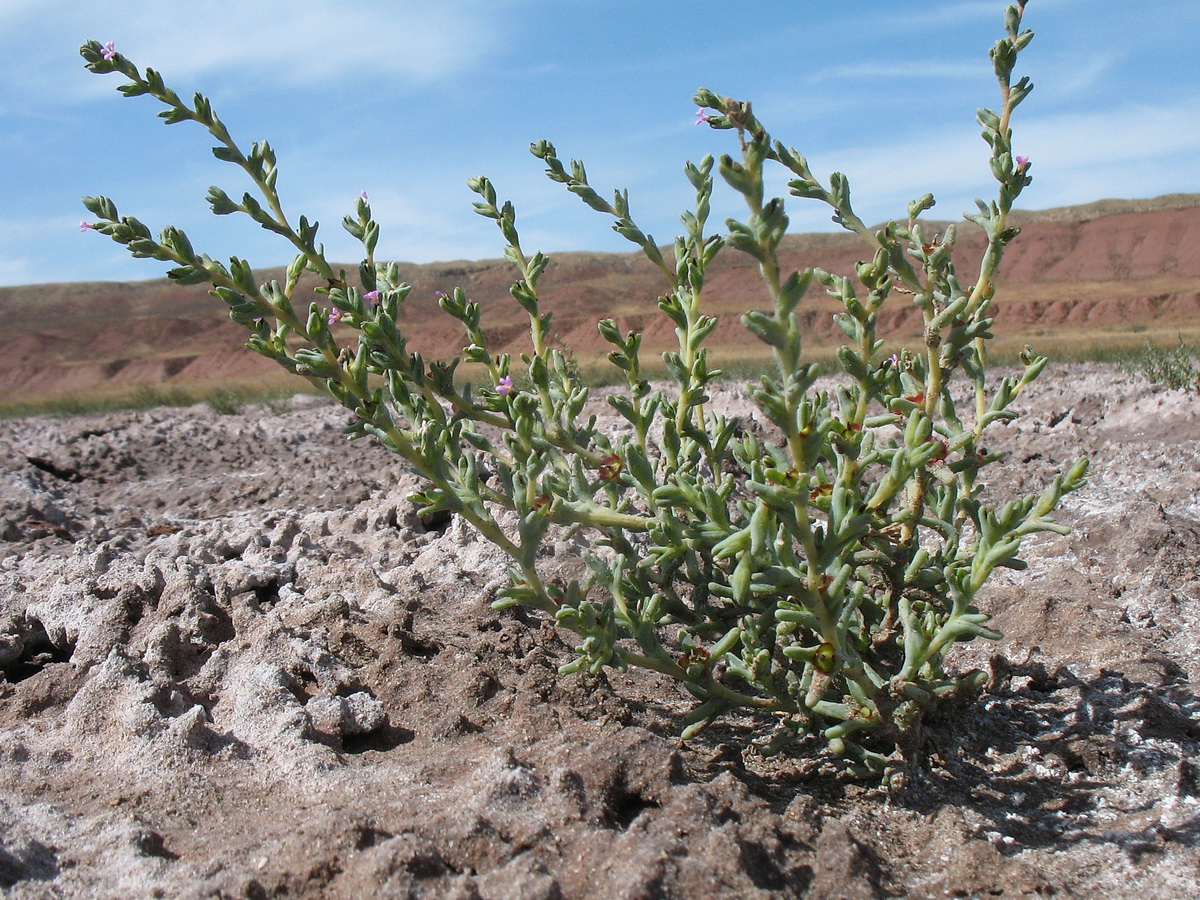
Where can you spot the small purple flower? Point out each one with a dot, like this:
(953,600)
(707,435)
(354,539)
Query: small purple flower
(702,118)
(363,194)
(371,296)
(1022,163)
(504,386)
(84,226)
(109,51)
(335,316)
(894,359)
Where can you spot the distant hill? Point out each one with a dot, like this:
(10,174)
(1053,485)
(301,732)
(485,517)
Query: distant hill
(1113,271)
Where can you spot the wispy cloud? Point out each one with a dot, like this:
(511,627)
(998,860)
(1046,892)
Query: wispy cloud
(1134,151)
(917,69)
(307,41)
(1074,76)
(1120,137)
(24,258)
(940,16)
(270,41)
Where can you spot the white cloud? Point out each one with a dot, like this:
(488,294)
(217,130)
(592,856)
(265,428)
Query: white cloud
(272,41)
(1135,151)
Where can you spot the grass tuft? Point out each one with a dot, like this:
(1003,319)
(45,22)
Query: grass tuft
(222,399)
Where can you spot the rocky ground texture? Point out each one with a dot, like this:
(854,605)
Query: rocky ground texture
(236,664)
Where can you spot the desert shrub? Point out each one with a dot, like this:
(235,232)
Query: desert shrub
(813,571)
(1174,367)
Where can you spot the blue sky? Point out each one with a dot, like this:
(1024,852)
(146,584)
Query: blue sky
(407,99)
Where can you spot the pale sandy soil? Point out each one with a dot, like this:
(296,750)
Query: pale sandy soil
(235,664)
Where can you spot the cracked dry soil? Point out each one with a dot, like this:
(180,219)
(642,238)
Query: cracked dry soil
(237,665)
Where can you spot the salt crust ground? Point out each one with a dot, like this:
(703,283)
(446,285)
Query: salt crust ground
(237,665)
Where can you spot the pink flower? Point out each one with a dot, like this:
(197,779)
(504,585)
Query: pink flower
(109,50)
(335,316)
(504,386)
(702,118)
(84,226)
(363,194)
(1022,163)
(371,296)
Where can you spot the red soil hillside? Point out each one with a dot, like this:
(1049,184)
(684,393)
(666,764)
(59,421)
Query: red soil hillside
(1109,272)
